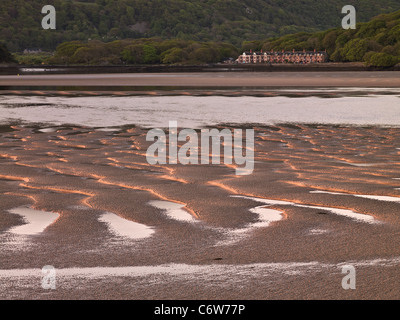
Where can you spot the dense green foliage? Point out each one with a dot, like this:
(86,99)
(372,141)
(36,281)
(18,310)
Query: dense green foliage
(380,59)
(142,51)
(376,42)
(5,55)
(33,58)
(231,21)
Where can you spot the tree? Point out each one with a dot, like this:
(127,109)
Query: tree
(204,55)
(150,54)
(329,41)
(174,55)
(381,60)
(5,55)
(355,50)
(134,54)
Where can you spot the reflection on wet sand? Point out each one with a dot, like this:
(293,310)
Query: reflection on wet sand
(125,228)
(366,196)
(342,212)
(174,210)
(36,221)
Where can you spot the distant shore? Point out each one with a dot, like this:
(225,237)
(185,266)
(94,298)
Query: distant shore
(79,69)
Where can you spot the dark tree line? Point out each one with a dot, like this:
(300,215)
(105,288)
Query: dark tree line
(142,51)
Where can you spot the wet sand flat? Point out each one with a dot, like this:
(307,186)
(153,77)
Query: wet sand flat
(217,79)
(320,197)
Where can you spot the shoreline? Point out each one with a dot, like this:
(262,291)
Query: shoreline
(378,79)
(96,69)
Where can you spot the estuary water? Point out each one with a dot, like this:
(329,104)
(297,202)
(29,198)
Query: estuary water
(371,107)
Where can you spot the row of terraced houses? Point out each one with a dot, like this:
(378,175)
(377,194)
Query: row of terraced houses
(300,57)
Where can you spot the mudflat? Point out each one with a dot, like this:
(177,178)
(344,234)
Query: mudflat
(215,79)
(333,192)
